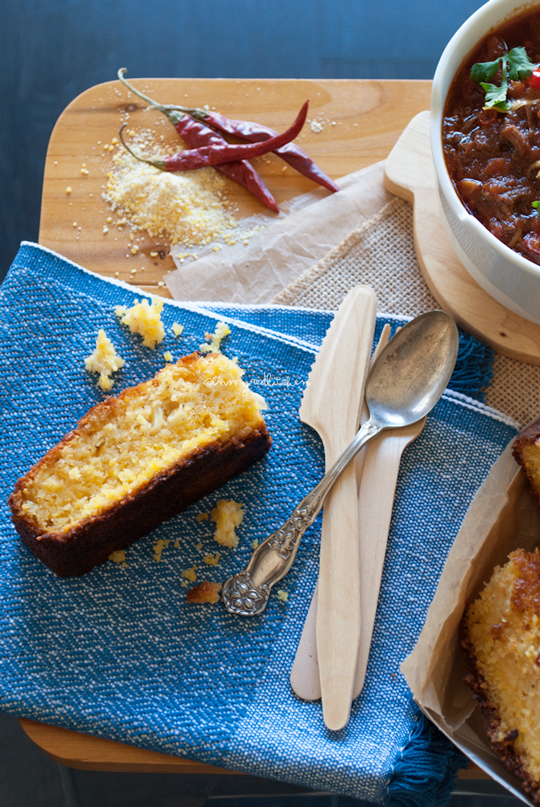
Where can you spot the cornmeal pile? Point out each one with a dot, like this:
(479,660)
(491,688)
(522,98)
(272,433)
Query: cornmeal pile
(187,207)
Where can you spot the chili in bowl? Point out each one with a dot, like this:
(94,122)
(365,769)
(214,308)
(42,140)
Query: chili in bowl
(485,137)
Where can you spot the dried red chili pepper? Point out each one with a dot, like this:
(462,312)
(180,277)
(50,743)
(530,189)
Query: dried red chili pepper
(255,133)
(245,130)
(219,153)
(195,134)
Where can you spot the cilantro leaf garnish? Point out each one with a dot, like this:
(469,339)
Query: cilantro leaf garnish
(515,65)
(519,64)
(537,206)
(483,71)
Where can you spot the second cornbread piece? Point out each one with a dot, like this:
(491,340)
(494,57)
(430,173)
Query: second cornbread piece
(501,638)
(137,460)
(526,452)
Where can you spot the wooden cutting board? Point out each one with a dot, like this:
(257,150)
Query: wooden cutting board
(410,174)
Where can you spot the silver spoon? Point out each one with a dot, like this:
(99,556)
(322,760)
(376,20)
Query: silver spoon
(404,384)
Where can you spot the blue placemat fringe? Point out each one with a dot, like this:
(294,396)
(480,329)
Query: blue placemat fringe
(425,772)
(474,367)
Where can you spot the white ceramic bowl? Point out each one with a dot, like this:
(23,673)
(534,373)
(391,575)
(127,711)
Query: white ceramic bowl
(506,275)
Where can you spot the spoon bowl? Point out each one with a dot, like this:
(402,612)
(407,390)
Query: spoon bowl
(412,371)
(404,384)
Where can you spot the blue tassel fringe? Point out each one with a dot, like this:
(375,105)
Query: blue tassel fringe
(474,367)
(425,773)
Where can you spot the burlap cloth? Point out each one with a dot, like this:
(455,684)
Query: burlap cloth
(381,254)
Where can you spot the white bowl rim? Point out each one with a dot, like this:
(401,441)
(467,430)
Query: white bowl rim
(486,17)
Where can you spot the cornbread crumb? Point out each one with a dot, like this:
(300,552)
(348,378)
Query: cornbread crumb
(227,515)
(211,560)
(202,517)
(104,360)
(222,330)
(282,595)
(168,356)
(255,544)
(119,556)
(74,473)
(159,546)
(184,583)
(502,641)
(206,592)
(177,329)
(153,254)
(190,574)
(145,319)
(198,546)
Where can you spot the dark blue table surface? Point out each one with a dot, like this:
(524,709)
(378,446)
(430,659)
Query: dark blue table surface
(51,50)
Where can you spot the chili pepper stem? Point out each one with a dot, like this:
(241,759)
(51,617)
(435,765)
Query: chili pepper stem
(156,163)
(195,113)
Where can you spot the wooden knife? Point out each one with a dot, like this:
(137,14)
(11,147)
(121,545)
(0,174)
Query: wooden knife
(377,468)
(331,406)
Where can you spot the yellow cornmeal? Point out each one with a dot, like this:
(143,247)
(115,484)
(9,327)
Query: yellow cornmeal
(104,360)
(148,429)
(227,515)
(145,319)
(506,642)
(186,207)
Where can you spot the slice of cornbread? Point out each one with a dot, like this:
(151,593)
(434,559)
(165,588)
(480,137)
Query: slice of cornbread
(136,460)
(501,638)
(526,450)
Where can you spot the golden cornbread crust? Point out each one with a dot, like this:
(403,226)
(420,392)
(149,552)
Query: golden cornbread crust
(500,640)
(505,749)
(90,541)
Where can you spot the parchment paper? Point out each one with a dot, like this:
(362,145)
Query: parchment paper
(502,517)
(284,249)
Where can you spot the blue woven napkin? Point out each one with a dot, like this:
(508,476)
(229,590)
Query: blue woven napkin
(119,653)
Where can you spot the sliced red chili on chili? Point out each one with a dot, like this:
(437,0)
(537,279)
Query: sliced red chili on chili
(534,79)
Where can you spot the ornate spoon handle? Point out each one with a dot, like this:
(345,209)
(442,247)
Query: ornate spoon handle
(247,592)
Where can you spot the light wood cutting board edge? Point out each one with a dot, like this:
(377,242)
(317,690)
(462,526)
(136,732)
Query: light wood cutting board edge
(410,174)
